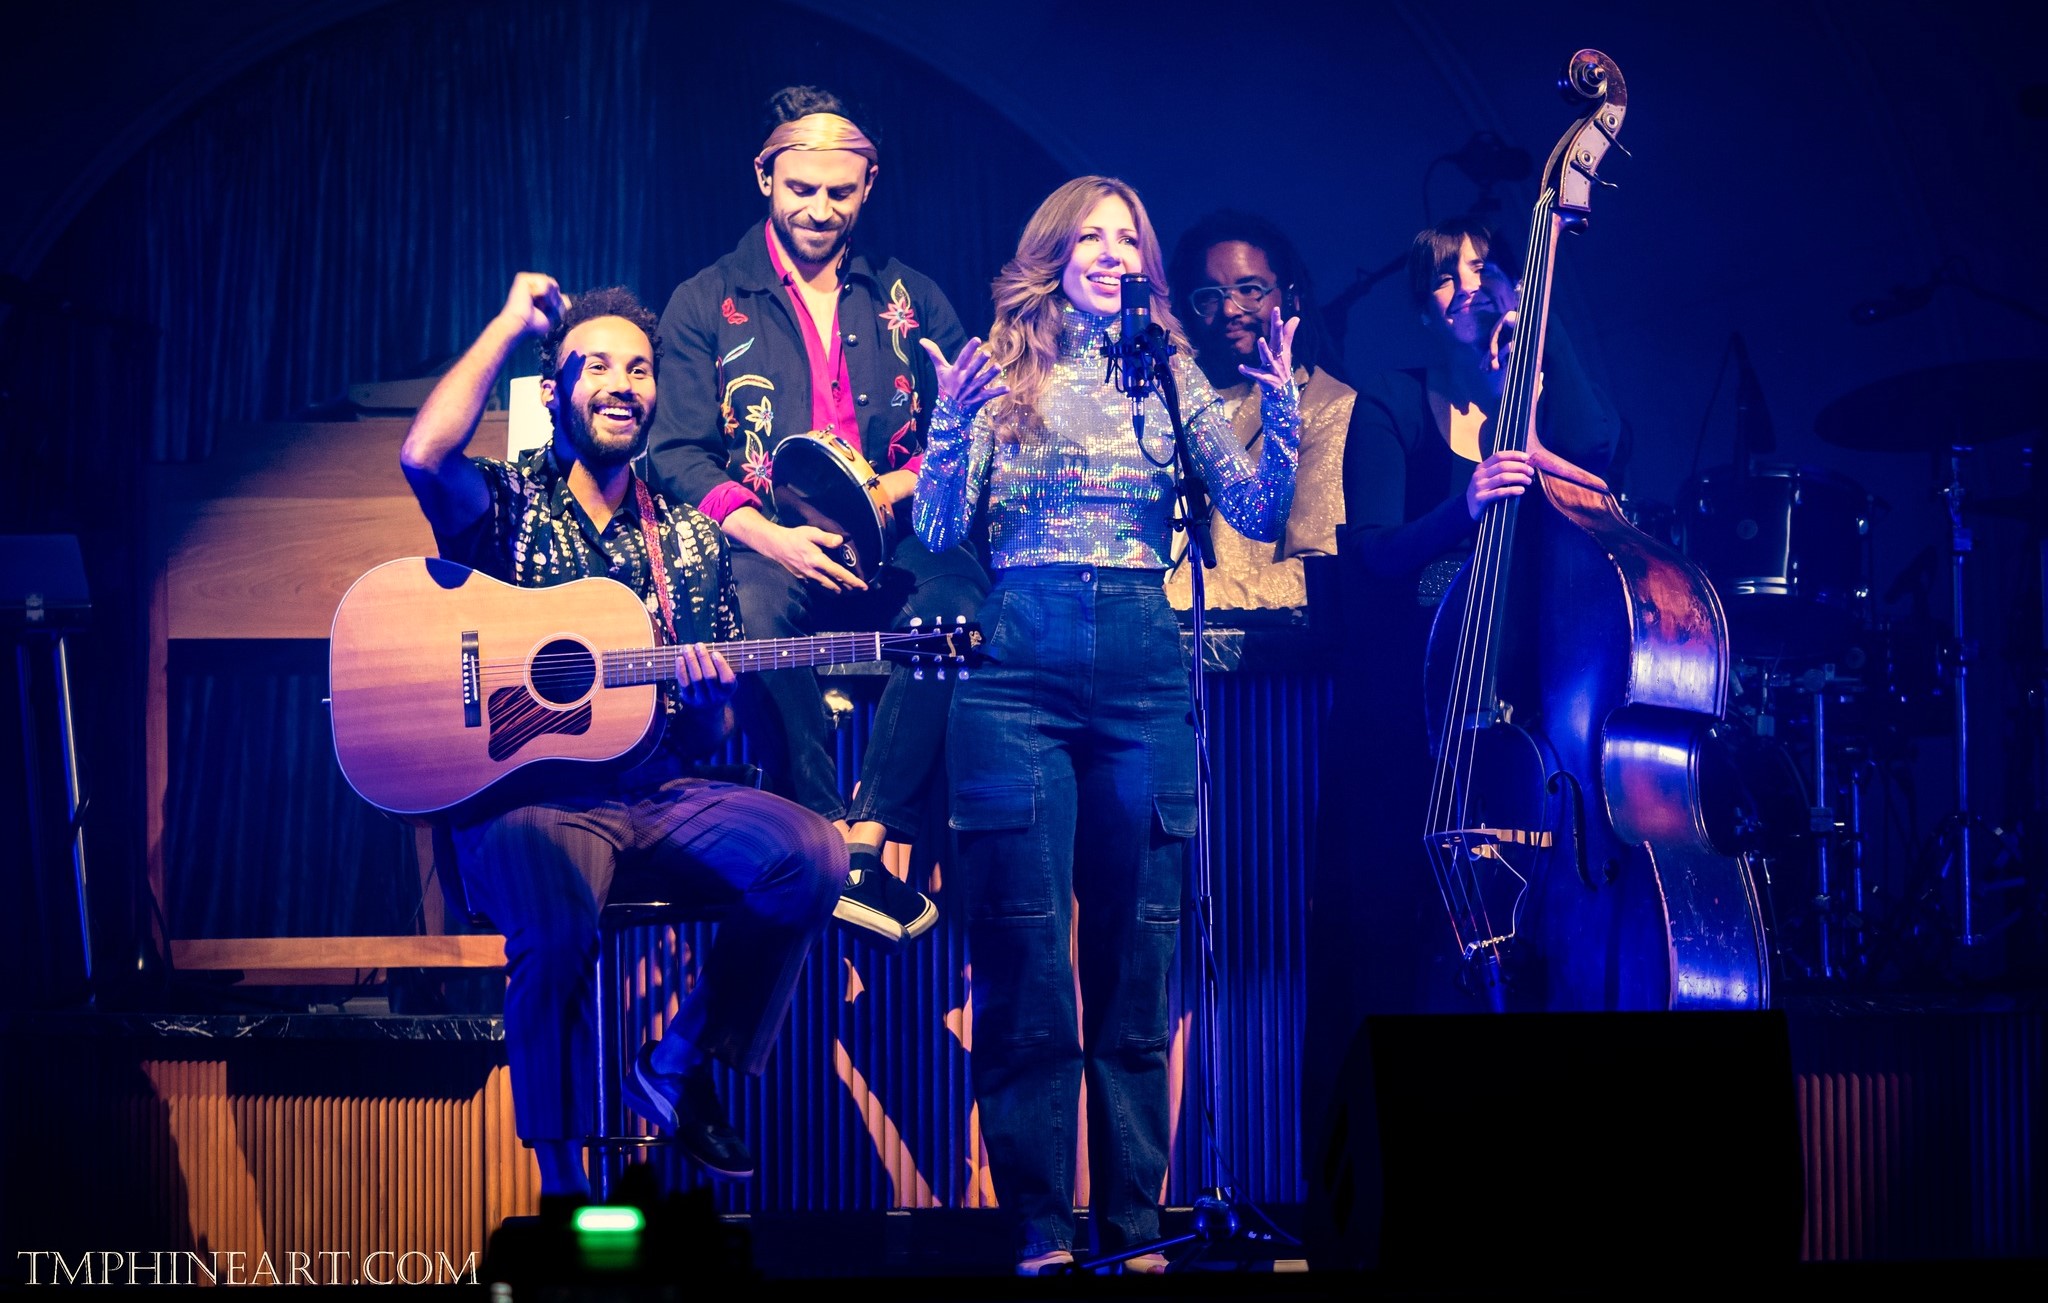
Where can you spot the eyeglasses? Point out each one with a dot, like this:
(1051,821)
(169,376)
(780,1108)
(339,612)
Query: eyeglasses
(1249,296)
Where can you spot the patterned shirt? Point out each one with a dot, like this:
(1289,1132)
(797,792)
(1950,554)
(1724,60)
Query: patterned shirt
(535,534)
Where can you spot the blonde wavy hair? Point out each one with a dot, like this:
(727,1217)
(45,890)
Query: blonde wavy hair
(1025,339)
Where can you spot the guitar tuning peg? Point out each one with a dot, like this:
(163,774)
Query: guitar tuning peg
(916,621)
(917,675)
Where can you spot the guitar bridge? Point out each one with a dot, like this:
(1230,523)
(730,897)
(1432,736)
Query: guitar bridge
(472,682)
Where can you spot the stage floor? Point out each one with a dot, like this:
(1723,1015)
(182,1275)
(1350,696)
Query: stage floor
(1923,1155)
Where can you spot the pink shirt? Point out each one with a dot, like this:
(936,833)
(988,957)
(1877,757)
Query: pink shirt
(832,403)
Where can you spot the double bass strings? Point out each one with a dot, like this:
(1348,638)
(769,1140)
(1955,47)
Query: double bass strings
(1451,859)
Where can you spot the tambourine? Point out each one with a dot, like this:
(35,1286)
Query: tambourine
(821,479)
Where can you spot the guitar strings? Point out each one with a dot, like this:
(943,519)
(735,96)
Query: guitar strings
(750,655)
(825,644)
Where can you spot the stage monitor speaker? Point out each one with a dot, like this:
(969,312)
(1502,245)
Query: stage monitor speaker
(1474,1150)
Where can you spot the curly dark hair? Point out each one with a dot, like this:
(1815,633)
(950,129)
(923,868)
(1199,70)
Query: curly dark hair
(793,102)
(611,301)
(1184,271)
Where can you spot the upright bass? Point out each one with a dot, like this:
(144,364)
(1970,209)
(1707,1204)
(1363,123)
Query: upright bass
(1572,673)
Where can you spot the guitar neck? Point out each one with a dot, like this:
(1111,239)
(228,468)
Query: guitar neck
(643,665)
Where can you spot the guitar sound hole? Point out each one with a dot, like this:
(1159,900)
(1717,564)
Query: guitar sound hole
(563,672)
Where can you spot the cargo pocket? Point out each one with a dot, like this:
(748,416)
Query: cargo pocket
(988,809)
(1176,812)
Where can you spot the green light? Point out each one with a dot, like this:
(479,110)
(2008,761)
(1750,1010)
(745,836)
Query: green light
(608,1219)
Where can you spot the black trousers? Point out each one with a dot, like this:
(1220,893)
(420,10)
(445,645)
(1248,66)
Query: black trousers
(783,712)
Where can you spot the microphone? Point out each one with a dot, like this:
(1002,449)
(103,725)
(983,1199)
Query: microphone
(1902,300)
(1134,375)
(1132,357)
(1753,430)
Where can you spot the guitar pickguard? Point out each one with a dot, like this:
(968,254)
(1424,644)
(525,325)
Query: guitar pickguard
(518,717)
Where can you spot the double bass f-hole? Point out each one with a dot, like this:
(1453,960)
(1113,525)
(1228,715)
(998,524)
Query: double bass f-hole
(1560,782)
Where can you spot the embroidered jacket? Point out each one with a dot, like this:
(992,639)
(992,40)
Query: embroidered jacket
(735,376)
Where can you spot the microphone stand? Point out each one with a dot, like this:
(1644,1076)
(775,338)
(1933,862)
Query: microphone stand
(1215,1213)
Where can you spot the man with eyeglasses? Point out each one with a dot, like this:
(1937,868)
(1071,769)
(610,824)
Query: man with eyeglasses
(1229,271)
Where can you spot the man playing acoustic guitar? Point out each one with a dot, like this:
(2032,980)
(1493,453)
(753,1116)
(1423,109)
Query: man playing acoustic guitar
(541,871)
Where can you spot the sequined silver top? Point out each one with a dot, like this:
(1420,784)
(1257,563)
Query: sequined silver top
(1086,493)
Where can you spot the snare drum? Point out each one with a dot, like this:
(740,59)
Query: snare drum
(1785,548)
(822,480)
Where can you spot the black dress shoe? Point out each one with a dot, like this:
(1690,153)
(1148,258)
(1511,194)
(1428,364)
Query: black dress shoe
(686,1104)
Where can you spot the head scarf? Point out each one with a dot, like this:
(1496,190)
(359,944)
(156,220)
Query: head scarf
(815,131)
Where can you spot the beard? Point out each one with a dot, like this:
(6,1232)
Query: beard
(600,452)
(1243,347)
(807,241)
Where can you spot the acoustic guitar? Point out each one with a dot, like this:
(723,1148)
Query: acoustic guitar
(445,683)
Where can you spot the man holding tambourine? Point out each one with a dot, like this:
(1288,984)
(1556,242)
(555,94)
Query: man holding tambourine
(794,399)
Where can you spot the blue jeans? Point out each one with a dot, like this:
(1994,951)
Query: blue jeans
(1073,770)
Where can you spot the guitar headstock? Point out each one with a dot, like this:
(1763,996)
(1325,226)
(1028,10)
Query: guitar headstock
(943,646)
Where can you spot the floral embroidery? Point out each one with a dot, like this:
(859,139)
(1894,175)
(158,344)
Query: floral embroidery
(899,317)
(733,316)
(903,392)
(758,467)
(761,417)
(899,451)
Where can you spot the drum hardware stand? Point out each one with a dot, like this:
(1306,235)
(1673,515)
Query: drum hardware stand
(1840,904)
(1961,654)
(1858,906)
(1827,830)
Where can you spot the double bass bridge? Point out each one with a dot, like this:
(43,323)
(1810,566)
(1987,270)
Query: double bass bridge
(1482,842)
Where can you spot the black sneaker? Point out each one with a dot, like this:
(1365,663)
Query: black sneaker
(686,1104)
(882,907)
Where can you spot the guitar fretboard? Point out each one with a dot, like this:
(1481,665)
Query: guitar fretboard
(641,665)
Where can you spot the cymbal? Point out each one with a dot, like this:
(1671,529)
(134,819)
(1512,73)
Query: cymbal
(1959,405)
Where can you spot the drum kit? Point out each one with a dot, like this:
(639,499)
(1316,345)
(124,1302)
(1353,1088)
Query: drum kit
(1830,699)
